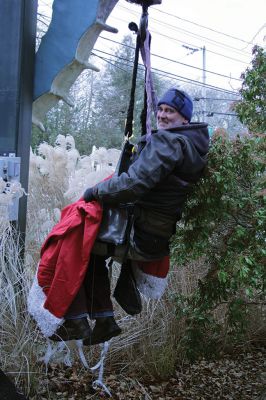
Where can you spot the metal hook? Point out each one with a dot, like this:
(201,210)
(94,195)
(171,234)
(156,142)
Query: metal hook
(133,27)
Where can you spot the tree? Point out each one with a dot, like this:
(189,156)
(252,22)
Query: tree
(252,109)
(224,224)
(75,121)
(111,99)
(224,228)
(101,103)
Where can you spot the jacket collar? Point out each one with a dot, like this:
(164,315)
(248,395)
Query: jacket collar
(196,132)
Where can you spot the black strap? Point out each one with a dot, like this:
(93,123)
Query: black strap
(143,27)
(143,116)
(130,111)
(141,36)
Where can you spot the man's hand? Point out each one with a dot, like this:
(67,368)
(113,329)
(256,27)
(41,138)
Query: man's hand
(88,195)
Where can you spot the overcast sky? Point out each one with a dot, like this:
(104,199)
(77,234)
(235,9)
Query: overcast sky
(175,24)
(170,32)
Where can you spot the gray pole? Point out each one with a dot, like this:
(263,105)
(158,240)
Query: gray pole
(204,65)
(193,50)
(17,48)
(204,79)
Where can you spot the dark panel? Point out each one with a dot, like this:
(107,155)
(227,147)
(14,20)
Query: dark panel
(17,49)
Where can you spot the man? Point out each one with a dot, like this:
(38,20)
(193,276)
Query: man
(158,181)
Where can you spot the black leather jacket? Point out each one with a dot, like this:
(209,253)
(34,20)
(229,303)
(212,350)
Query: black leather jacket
(160,177)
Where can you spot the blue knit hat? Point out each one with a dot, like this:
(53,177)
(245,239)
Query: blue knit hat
(179,100)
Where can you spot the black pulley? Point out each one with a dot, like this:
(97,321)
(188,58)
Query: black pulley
(146,3)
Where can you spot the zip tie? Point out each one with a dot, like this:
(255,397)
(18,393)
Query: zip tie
(79,344)
(105,347)
(99,382)
(67,358)
(48,354)
(52,350)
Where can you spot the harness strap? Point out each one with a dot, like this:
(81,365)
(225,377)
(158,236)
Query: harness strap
(130,111)
(150,100)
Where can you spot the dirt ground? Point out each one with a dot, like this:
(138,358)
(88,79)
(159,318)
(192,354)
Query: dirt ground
(239,376)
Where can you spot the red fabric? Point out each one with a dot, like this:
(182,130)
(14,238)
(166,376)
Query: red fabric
(158,268)
(65,254)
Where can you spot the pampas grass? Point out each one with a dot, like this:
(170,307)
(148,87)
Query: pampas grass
(18,334)
(52,170)
(58,176)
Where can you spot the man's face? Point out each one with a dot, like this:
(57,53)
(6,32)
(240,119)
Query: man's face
(168,117)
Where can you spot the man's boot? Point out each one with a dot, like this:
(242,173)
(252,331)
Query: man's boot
(72,329)
(104,329)
(126,292)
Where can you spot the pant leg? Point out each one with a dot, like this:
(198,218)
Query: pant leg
(97,288)
(78,307)
(94,295)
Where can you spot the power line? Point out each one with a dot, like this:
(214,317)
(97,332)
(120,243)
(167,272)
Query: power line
(194,45)
(230,58)
(208,39)
(256,34)
(209,51)
(208,86)
(174,61)
(202,26)
(167,74)
(207,113)
(186,31)
(192,66)
(108,61)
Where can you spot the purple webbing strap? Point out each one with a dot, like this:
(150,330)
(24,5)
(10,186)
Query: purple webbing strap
(151,95)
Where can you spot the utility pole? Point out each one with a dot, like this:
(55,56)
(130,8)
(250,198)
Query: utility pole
(192,50)
(204,79)
(204,65)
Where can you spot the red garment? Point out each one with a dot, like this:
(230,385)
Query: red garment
(65,254)
(157,268)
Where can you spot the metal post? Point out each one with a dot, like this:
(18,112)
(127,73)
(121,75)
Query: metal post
(192,50)
(204,65)
(204,79)
(17,48)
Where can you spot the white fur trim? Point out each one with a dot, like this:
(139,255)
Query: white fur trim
(150,286)
(46,321)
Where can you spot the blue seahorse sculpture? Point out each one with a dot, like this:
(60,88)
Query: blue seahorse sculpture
(65,49)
